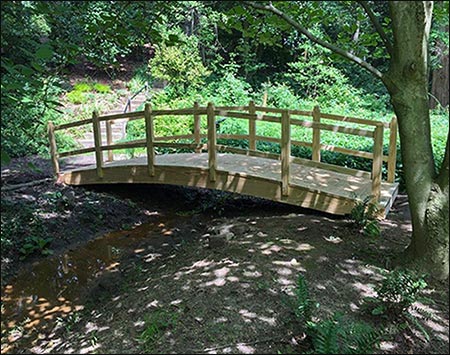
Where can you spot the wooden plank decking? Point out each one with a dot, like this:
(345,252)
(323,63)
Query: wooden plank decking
(310,187)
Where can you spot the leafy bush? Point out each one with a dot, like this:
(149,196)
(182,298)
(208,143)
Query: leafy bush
(102,88)
(82,87)
(227,89)
(396,294)
(179,64)
(77,97)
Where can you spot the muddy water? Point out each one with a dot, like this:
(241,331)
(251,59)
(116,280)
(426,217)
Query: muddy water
(53,288)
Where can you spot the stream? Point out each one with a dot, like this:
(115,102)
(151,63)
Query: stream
(57,286)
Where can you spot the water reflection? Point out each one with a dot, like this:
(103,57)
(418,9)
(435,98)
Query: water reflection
(56,286)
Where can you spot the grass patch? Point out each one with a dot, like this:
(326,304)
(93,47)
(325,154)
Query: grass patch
(155,326)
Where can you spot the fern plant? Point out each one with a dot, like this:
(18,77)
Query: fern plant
(304,305)
(396,297)
(364,215)
(337,336)
(333,335)
(398,291)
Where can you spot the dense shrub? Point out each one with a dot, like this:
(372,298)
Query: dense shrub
(179,64)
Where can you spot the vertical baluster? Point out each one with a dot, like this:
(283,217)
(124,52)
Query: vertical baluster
(97,144)
(150,138)
(212,136)
(285,151)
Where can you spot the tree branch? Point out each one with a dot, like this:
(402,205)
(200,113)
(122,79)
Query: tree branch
(377,26)
(304,31)
(27,184)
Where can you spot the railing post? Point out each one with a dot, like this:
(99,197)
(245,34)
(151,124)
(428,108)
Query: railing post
(97,144)
(316,135)
(392,157)
(285,151)
(252,126)
(109,139)
(264,101)
(197,126)
(377,162)
(150,137)
(53,149)
(212,136)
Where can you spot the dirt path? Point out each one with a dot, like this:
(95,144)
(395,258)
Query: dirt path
(218,276)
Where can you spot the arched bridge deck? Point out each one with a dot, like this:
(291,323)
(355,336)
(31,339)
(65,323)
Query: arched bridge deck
(279,177)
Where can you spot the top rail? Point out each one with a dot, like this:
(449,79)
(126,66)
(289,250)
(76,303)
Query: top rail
(72,124)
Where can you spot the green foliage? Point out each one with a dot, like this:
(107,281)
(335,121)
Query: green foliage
(396,294)
(102,88)
(227,89)
(439,131)
(19,220)
(141,75)
(79,94)
(364,216)
(395,300)
(304,305)
(82,87)
(337,336)
(155,324)
(77,97)
(35,244)
(333,335)
(69,322)
(180,65)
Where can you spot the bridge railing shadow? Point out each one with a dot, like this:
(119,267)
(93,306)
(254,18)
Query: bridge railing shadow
(201,140)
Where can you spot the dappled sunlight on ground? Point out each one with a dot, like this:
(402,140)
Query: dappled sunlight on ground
(231,289)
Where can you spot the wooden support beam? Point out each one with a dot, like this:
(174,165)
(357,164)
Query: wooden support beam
(251,127)
(197,127)
(150,138)
(392,156)
(377,162)
(109,139)
(53,149)
(285,151)
(316,135)
(212,137)
(97,144)
(264,101)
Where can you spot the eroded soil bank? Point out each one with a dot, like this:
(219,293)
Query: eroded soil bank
(186,271)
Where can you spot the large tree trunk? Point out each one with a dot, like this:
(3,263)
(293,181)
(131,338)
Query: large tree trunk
(407,83)
(440,77)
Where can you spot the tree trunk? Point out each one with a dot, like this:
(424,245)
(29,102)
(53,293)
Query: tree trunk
(440,77)
(407,84)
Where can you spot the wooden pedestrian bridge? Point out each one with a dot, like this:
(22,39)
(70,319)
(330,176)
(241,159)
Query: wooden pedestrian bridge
(204,163)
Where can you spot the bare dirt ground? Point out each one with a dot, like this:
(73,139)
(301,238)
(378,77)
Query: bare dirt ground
(216,273)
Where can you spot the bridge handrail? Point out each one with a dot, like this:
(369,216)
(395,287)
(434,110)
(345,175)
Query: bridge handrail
(255,113)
